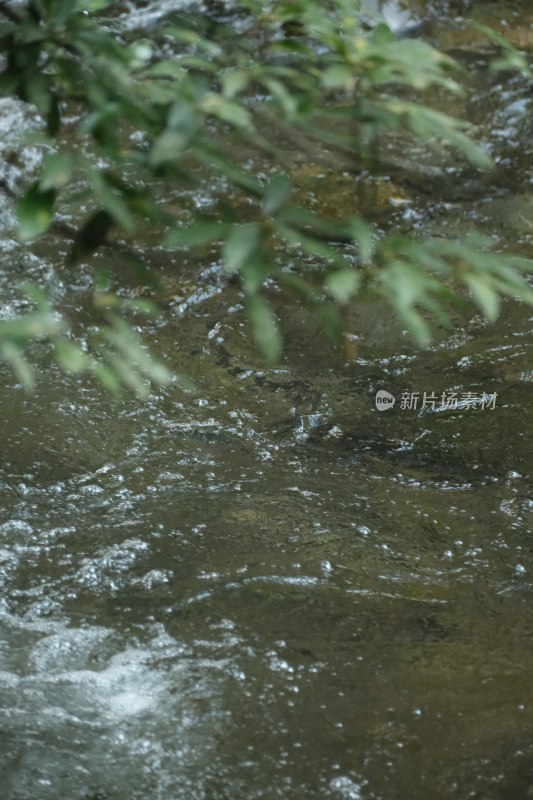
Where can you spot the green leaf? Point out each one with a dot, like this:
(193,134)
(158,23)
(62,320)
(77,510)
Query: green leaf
(275,193)
(14,356)
(286,99)
(56,171)
(338,76)
(234,81)
(107,377)
(343,284)
(228,168)
(415,324)
(199,64)
(298,286)
(264,327)
(34,212)
(313,223)
(112,200)
(196,235)
(426,122)
(312,245)
(187,36)
(70,357)
(242,242)
(168,147)
(364,237)
(487,299)
(407,286)
(164,69)
(227,110)
(512,58)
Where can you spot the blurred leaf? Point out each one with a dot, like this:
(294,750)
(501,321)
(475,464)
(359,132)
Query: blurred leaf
(56,171)
(112,200)
(426,122)
(364,237)
(35,212)
(188,36)
(264,327)
(343,284)
(227,110)
(107,377)
(195,235)
(312,245)
(229,170)
(69,356)
(210,119)
(165,69)
(415,324)
(407,287)
(413,62)
(331,321)
(14,356)
(339,76)
(487,299)
(241,243)
(287,101)
(511,59)
(234,81)
(169,146)
(275,193)
(298,286)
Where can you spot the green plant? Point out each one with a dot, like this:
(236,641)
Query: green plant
(127,123)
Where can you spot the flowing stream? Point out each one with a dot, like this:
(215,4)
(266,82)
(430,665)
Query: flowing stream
(265,588)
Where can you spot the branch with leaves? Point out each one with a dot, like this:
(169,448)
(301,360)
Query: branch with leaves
(132,121)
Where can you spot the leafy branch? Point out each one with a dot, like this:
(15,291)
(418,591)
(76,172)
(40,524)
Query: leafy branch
(134,122)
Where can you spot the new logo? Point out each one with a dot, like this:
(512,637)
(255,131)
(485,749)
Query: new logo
(384,400)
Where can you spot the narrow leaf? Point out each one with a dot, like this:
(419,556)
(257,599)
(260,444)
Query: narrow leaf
(196,235)
(486,298)
(343,284)
(264,327)
(239,246)
(275,194)
(34,212)
(56,171)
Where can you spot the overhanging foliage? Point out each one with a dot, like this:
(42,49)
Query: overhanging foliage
(197,105)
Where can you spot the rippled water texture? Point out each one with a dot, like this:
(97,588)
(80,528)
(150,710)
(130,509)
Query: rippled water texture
(266,588)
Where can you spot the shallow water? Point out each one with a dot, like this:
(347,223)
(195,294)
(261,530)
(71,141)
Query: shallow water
(265,588)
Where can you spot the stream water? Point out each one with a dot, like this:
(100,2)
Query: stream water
(266,588)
